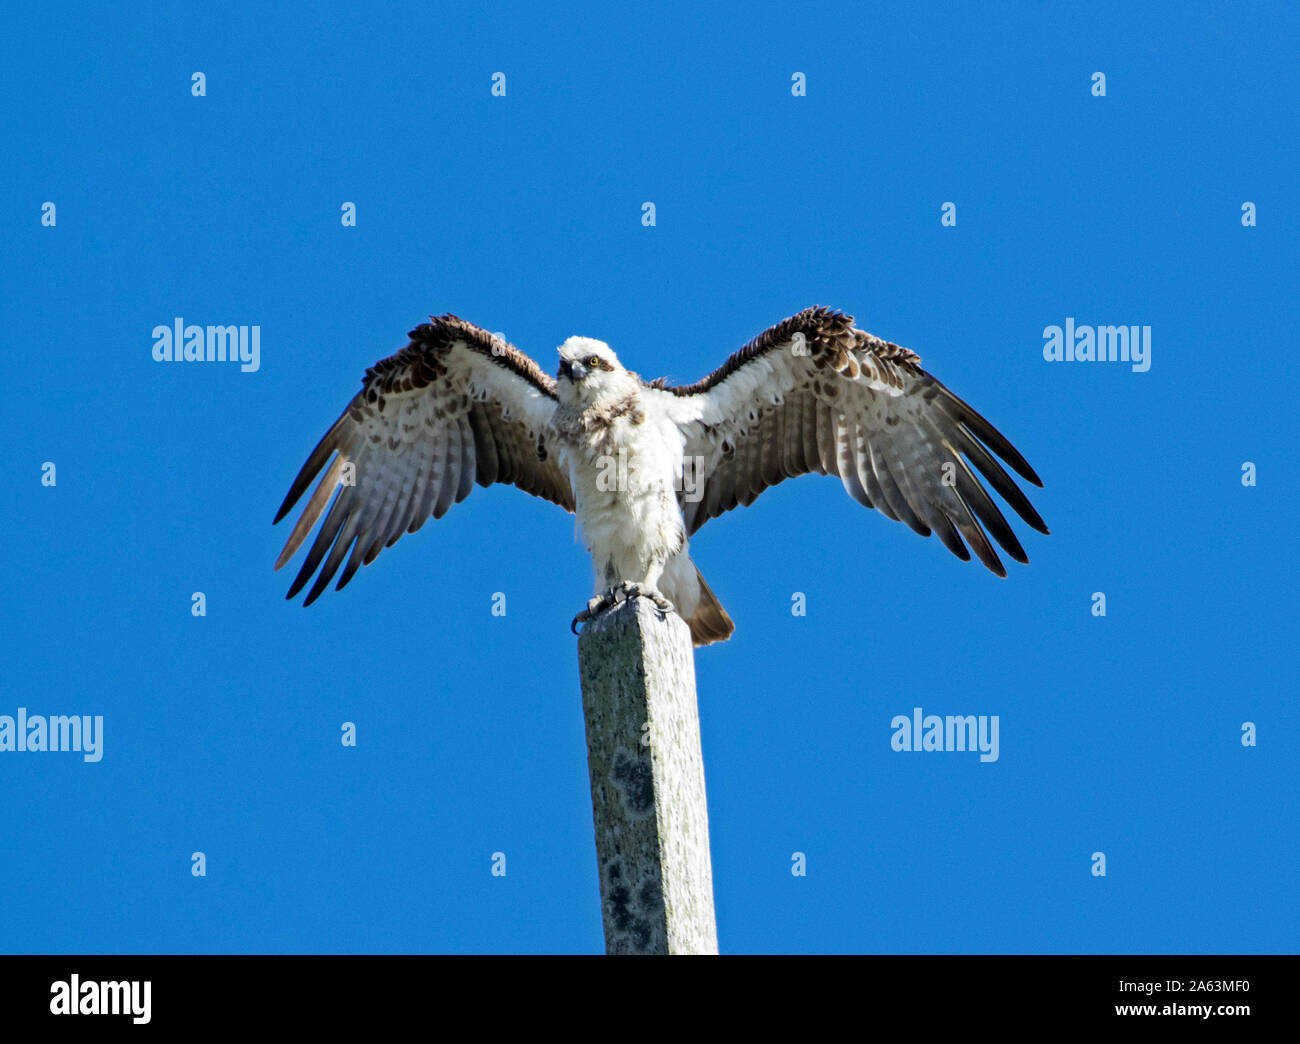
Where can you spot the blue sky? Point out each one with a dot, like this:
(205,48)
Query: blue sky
(523,213)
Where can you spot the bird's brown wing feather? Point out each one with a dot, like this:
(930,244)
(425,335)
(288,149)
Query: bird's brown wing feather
(454,407)
(814,394)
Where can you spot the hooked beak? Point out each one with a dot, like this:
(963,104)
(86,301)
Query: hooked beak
(566,369)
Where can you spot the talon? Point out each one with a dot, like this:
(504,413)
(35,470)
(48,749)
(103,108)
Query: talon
(644,591)
(595,606)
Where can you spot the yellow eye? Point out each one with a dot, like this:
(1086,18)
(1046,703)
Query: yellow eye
(593,361)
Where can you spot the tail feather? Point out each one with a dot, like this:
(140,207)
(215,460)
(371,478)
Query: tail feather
(710,622)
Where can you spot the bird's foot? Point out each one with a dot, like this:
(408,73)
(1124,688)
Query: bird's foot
(630,590)
(616,596)
(595,607)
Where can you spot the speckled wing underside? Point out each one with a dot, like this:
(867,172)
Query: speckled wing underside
(815,394)
(452,408)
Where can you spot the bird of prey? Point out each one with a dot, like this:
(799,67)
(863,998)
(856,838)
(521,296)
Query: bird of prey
(644,465)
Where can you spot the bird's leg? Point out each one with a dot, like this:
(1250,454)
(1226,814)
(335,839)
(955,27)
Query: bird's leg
(649,588)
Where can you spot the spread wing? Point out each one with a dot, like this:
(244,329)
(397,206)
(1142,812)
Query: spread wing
(452,408)
(814,394)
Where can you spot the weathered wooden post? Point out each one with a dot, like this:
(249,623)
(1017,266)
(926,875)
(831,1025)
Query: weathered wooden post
(647,782)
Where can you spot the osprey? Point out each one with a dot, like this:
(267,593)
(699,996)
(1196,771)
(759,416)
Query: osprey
(644,465)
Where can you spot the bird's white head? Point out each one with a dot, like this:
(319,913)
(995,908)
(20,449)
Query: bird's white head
(591,373)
